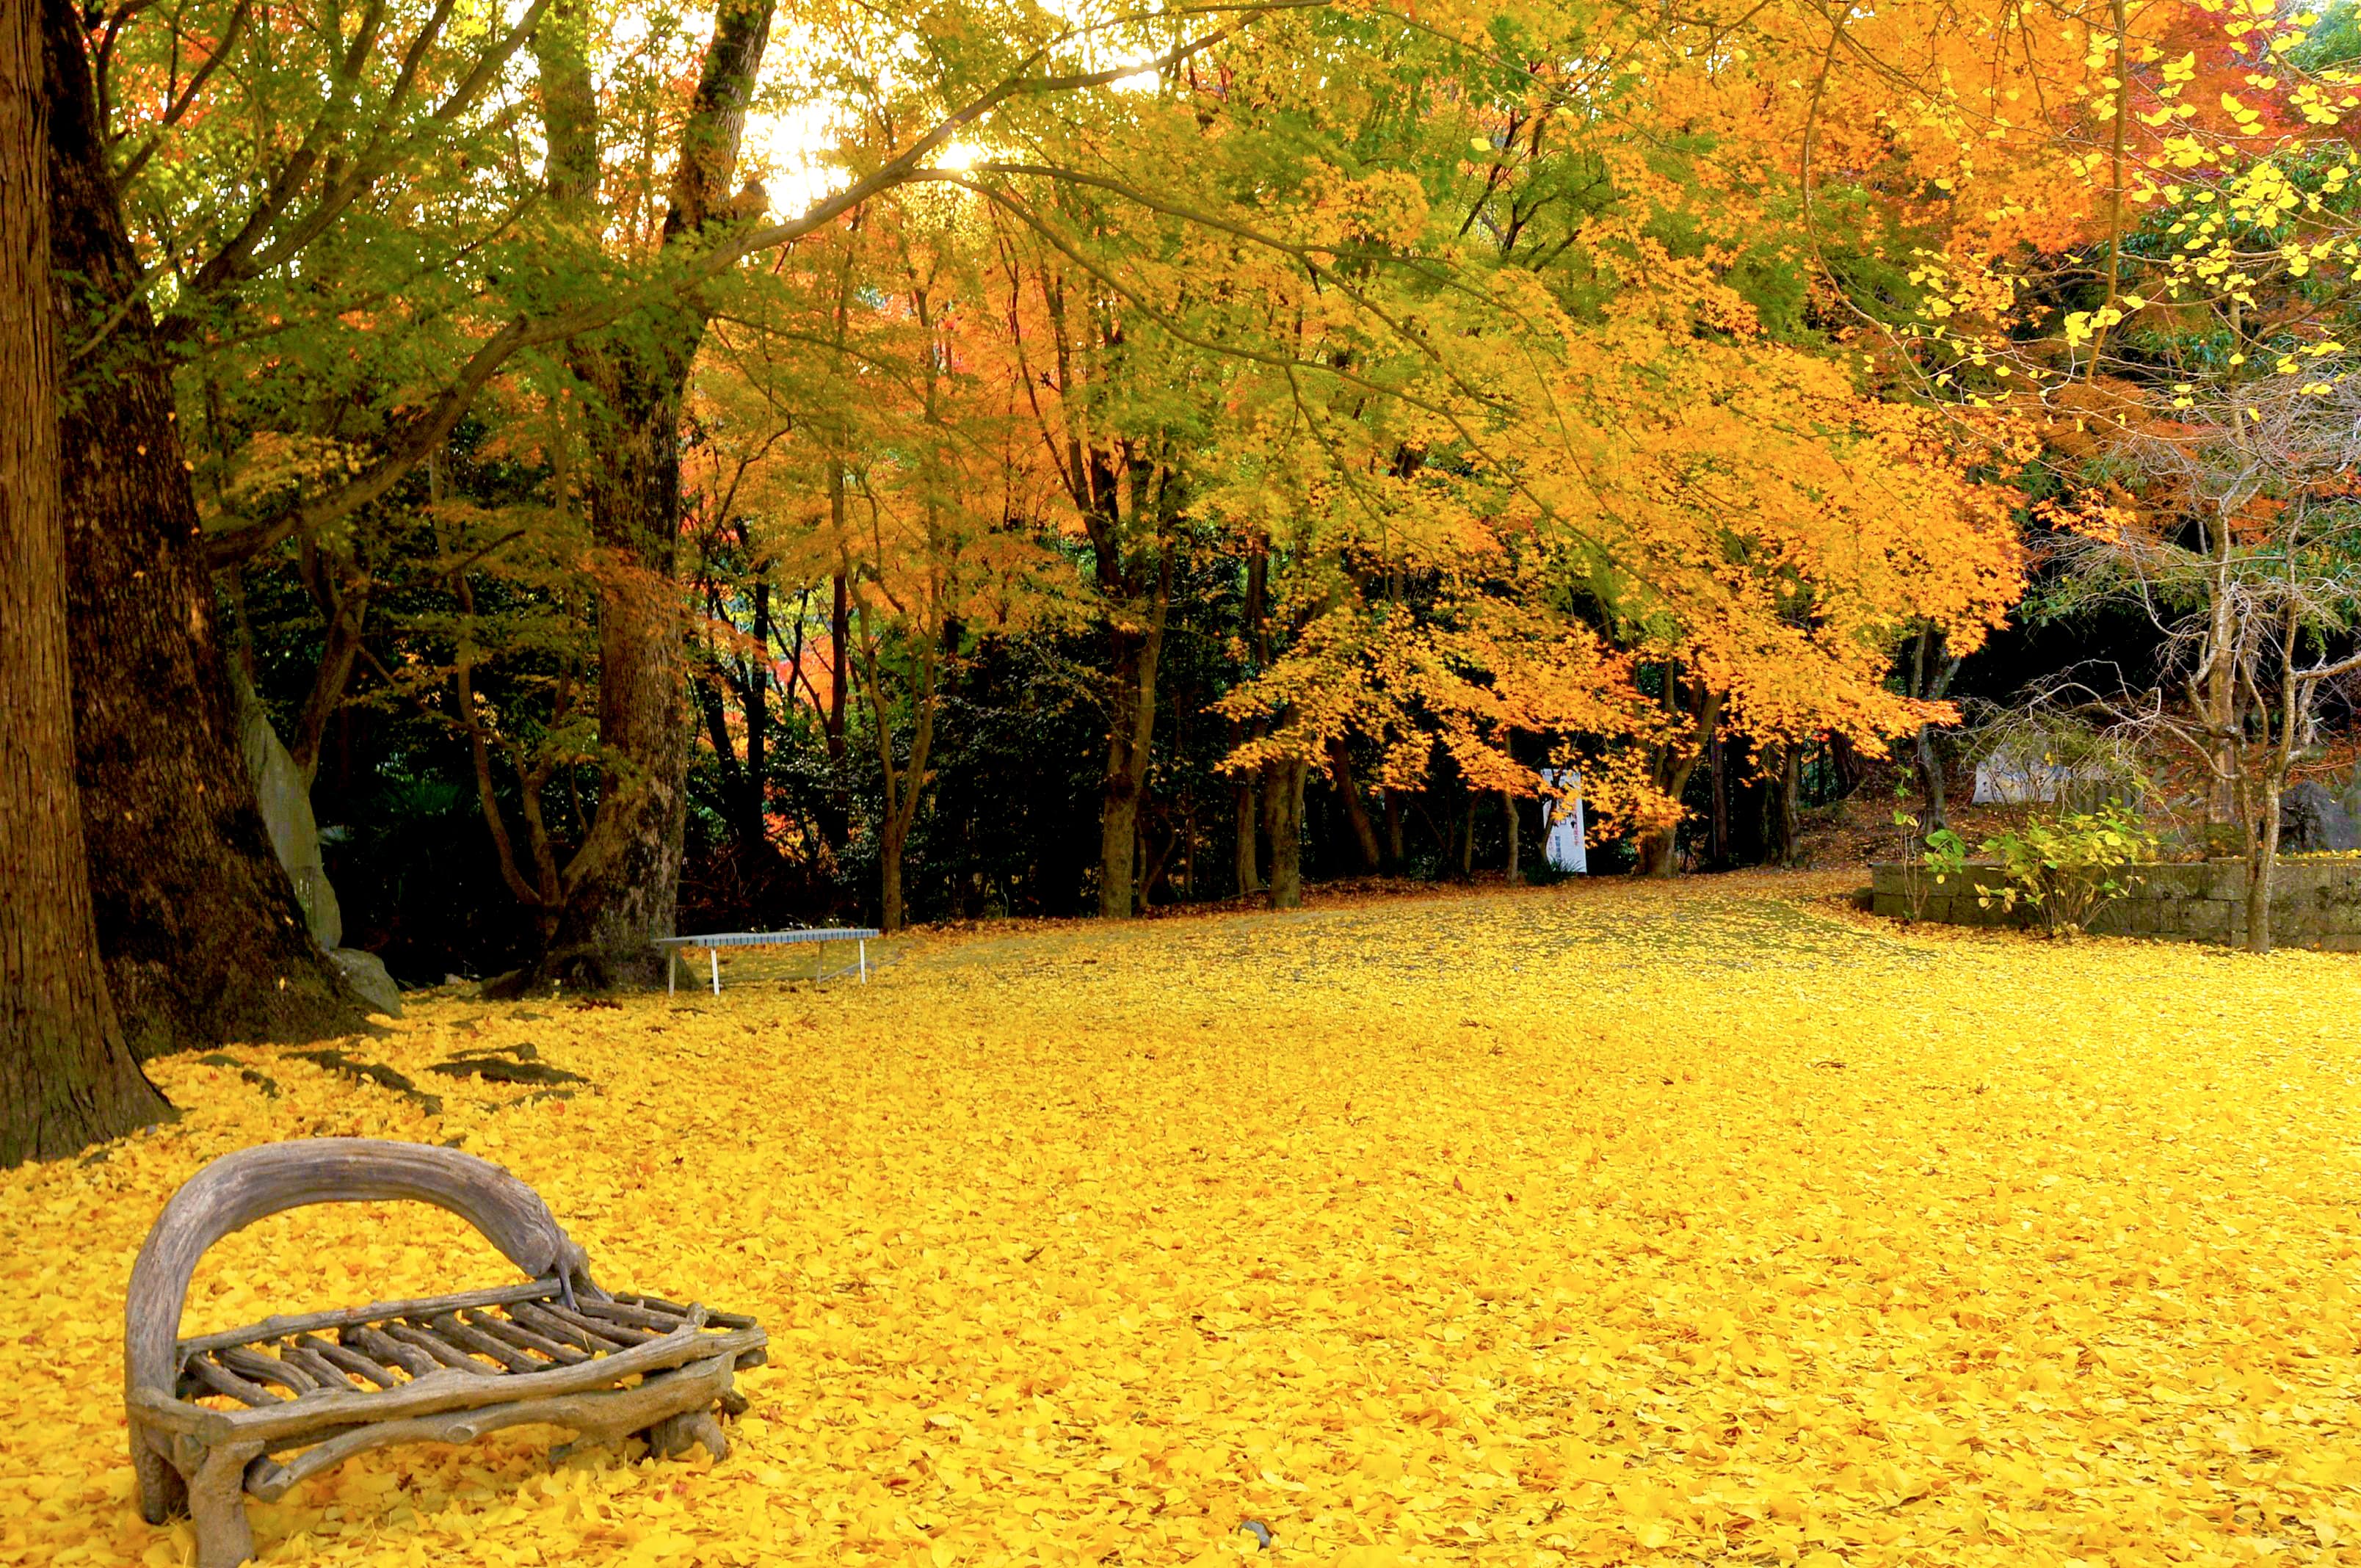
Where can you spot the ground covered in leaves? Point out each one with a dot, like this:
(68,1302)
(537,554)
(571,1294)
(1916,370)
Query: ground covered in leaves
(1607,1223)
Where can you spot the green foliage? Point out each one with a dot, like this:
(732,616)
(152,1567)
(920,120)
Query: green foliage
(2066,868)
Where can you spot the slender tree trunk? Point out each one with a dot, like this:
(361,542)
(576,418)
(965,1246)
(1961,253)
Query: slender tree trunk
(1467,839)
(837,823)
(1282,816)
(1717,759)
(1245,796)
(1131,727)
(1252,619)
(754,798)
(67,1078)
(2262,868)
(1509,808)
(344,606)
(201,935)
(1932,670)
(1393,829)
(891,836)
(1365,832)
(905,783)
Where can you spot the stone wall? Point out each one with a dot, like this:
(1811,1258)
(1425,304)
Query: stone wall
(2314,904)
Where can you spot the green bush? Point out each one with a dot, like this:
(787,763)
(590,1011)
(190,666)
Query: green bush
(2066,867)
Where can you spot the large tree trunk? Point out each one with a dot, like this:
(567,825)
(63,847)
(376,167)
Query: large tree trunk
(67,1078)
(1782,806)
(624,885)
(201,935)
(1516,870)
(625,879)
(1283,819)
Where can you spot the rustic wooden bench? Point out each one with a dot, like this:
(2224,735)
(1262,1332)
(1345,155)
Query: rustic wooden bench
(299,1395)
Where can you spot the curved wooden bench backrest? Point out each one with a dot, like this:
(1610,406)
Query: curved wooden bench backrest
(252,1184)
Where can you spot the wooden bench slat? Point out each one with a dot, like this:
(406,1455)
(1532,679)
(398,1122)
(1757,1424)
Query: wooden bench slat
(468,1337)
(657,1303)
(621,1336)
(376,1344)
(510,1331)
(443,1353)
(221,1380)
(351,1360)
(250,1363)
(330,1376)
(635,1317)
(533,1315)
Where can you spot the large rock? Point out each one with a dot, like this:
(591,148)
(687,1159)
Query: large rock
(366,974)
(286,803)
(2311,819)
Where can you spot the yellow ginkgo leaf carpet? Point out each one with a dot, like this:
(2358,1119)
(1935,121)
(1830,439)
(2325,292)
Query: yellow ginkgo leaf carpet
(1706,1223)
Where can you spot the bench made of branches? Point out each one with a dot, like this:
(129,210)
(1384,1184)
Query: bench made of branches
(312,1390)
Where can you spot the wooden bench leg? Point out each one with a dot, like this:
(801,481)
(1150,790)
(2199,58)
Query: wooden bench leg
(217,1503)
(676,1435)
(163,1495)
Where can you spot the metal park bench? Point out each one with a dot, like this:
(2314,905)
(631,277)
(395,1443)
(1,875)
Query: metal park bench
(714,943)
(318,1388)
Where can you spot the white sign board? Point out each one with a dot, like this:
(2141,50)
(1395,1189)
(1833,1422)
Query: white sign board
(1562,828)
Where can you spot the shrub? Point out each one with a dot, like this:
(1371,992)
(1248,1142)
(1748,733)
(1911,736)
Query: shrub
(2067,867)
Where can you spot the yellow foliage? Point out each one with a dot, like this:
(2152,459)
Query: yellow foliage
(1616,1223)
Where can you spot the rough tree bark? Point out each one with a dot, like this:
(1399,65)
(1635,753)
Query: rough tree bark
(199,927)
(1243,800)
(1516,870)
(1671,769)
(1131,728)
(624,883)
(836,823)
(1282,820)
(905,783)
(1783,806)
(1932,666)
(67,1077)
(1365,832)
